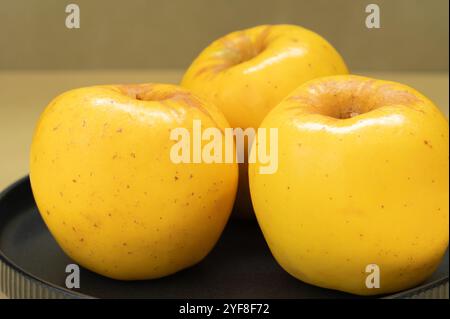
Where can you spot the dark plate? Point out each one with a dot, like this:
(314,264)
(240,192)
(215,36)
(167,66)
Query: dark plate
(240,266)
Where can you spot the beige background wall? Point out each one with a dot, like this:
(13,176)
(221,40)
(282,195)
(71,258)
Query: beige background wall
(168,34)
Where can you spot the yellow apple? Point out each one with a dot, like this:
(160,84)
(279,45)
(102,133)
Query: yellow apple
(362,180)
(246,73)
(106,186)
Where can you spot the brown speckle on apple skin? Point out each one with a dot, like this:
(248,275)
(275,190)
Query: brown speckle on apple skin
(428,143)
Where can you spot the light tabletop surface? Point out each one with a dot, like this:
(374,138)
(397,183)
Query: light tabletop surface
(24,95)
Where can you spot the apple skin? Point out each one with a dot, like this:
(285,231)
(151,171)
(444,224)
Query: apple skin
(108,191)
(362,179)
(247,73)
